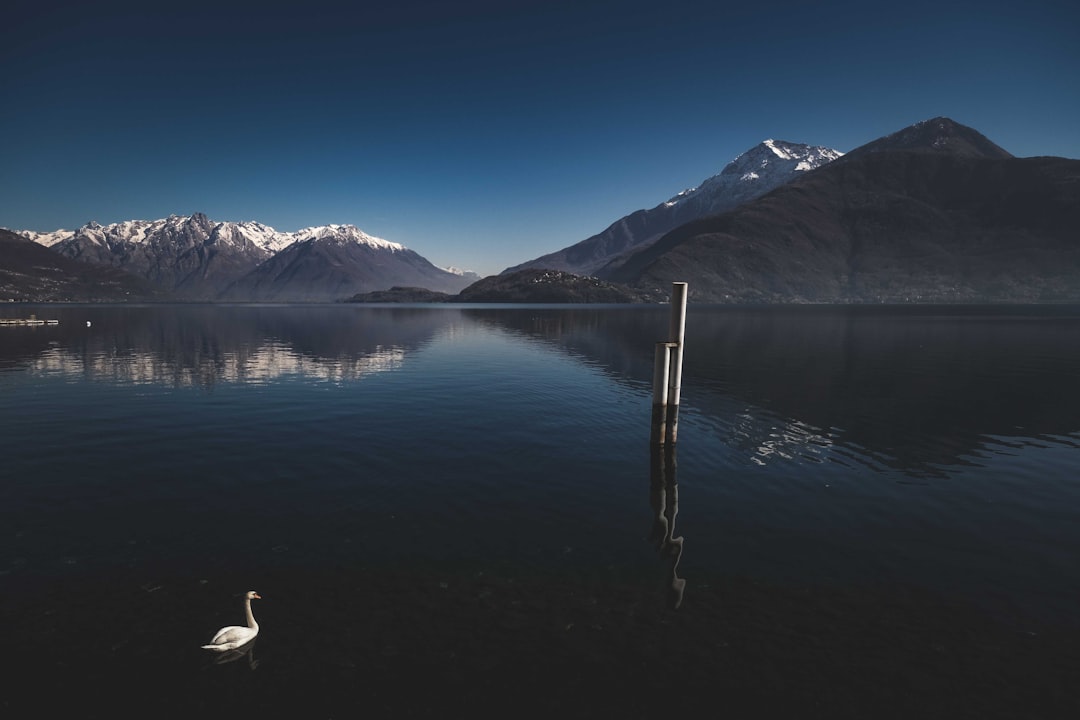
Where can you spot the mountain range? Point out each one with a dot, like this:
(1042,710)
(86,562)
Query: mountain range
(196,258)
(332,262)
(934,212)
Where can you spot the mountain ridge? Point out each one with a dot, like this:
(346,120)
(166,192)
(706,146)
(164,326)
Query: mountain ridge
(906,218)
(756,171)
(937,135)
(934,212)
(332,264)
(196,258)
(33,272)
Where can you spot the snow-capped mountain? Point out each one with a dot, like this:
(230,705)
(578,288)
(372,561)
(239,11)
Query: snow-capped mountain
(32,272)
(760,169)
(189,257)
(198,258)
(260,235)
(752,174)
(333,262)
(343,235)
(48,239)
(935,212)
(469,274)
(137,232)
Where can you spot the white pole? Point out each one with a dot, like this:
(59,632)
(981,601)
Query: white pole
(661,391)
(661,372)
(676,338)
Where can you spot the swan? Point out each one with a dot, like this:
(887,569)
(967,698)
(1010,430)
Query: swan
(231,637)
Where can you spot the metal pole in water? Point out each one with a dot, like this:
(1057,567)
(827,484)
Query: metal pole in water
(661,390)
(667,371)
(676,338)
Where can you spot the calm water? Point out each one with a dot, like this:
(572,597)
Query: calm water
(454,509)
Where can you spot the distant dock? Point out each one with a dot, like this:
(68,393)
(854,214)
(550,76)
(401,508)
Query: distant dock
(32,321)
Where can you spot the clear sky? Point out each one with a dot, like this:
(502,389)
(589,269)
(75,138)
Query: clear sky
(485,133)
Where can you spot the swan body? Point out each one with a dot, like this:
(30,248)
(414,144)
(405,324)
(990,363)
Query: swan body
(231,637)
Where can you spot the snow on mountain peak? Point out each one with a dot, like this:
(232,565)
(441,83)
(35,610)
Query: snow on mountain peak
(784,157)
(48,239)
(675,200)
(780,149)
(766,165)
(262,236)
(459,272)
(345,234)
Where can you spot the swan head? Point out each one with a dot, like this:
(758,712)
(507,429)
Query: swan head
(252,595)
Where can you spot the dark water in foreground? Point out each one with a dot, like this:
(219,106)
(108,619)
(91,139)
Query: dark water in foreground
(455,510)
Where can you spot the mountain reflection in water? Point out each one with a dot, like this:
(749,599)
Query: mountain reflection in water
(904,387)
(200,346)
(910,388)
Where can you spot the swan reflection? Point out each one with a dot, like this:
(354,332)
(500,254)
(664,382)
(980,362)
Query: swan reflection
(664,498)
(244,651)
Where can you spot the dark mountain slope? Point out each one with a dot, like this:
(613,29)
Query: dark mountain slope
(32,272)
(940,135)
(336,266)
(931,222)
(533,285)
(189,257)
(752,174)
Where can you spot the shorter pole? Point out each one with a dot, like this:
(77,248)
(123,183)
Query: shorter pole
(661,391)
(667,371)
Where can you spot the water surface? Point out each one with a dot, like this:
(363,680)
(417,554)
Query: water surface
(870,511)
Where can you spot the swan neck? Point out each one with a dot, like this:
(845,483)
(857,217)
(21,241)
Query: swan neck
(250,618)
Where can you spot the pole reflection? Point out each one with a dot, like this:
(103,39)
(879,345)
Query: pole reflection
(664,499)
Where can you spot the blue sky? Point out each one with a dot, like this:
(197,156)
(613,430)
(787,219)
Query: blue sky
(483,134)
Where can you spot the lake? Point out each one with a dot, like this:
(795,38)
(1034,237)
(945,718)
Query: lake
(870,511)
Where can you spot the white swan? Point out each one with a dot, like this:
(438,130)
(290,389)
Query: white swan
(233,636)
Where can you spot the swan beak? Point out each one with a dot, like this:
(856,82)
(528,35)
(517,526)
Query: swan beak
(257,596)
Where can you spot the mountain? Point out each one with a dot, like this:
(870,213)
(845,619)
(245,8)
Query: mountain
(467,275)
(534,285)
(940,136)
(187,257)
(398,294)
(531,285)
(752,174)
(932,213)
(34,273)
(333,262)
(196,258)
